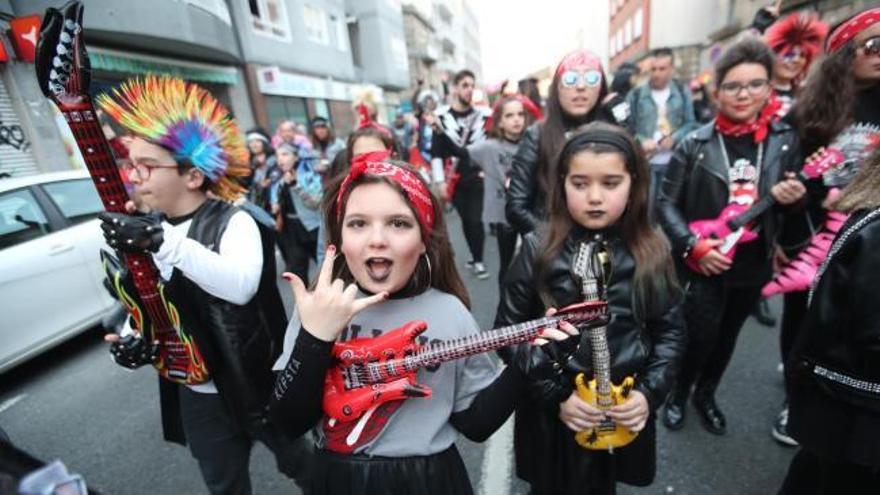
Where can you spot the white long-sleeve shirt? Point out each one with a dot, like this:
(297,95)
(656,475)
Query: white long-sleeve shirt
(232,274)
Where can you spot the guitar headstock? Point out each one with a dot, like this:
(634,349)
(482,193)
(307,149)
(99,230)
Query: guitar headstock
(823,160)
(62,64)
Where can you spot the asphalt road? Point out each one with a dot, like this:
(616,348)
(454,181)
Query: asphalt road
(75,404)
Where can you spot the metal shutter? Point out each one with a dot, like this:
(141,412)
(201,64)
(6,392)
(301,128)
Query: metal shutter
(15,147)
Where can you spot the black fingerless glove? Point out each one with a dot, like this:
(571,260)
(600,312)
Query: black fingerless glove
(763,19)
(132,233)
(133,352)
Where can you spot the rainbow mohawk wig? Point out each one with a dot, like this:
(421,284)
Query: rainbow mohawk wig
(186,120)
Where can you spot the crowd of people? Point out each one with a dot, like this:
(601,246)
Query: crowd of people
(701,198)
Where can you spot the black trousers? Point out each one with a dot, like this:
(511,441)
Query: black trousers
(714,314)
(809,474)
(794,309)
(221,447)
(468,202)
(506,236)
(298,246)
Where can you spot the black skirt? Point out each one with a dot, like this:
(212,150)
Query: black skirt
(438,474)
(549,458)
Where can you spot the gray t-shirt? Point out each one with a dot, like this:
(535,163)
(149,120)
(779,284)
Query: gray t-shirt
(495,156)
(421,425)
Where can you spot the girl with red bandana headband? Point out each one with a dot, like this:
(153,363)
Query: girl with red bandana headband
(578,95)
(745,154)
(838,106)
(392,266)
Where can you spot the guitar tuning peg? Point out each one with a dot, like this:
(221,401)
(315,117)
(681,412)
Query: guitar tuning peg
(56,62)
(69,25)
(65,38)
(53,75)
(61,49)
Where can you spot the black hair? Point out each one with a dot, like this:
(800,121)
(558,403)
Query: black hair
(463,74)
(621,83)
(747,51)
(663,52)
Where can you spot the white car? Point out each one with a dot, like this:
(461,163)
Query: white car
(51,281)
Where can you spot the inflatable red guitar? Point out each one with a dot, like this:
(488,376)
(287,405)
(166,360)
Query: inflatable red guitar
(732,225)
(63,73)
(373,376)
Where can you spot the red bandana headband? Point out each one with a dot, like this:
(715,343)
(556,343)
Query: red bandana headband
(367,121)
(579,60)
(851,28)
(376,163)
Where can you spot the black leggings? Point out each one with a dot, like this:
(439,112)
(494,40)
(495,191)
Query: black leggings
(714,313)
(506,245)
(468,202)
(794,309)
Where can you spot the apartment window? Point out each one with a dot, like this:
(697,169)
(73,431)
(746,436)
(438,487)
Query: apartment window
(282,108)
(627,32)
(315,20)
(637,23)
(353,36)
(341,31)
(269,17)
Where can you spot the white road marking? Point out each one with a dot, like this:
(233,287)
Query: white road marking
(7,404)
(497,467)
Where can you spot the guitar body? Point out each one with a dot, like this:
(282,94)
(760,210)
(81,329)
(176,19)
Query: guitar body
(607,435)
(717,228)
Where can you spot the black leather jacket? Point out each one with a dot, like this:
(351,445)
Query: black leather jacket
(835,360)
(238,342)
(647,348)
(696,183)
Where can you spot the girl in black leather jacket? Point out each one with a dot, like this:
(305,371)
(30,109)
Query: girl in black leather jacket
(742,156)
(601,196)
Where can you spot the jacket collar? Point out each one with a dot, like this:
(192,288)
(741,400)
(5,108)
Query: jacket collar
(707,131)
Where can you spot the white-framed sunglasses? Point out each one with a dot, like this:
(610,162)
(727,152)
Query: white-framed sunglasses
(571,78)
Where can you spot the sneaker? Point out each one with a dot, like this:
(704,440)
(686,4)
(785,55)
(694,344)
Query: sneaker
(480,271)
(780,430)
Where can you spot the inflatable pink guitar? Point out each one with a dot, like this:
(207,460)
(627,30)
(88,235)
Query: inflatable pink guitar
(731,226)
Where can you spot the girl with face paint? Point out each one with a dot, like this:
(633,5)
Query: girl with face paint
(577,96)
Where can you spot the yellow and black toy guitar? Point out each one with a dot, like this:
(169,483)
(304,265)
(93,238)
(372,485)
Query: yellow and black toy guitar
(590,265)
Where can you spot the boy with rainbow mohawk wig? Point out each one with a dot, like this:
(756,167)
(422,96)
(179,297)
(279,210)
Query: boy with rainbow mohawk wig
(217,267)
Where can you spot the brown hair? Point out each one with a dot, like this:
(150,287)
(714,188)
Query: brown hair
(443,275)
(553,128)
(341,164)
(498,112)
(655,282)
(864,190)
(825,105)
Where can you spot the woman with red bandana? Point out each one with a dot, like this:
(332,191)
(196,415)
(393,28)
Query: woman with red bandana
(743,155)
(839,105)
(578,96)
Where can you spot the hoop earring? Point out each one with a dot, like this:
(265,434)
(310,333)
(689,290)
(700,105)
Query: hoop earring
(430,271)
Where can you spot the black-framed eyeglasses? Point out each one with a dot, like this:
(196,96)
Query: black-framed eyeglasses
(871,46)
(754,87)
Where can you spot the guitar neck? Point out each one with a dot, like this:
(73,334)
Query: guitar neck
(468,346)
(83,122)
(601,366)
